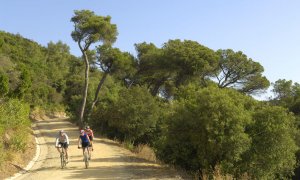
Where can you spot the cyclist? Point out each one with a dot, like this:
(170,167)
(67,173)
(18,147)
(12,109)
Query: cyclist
(85,141)
(90,134)
(62,140)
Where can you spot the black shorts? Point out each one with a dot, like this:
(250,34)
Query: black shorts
(64,145)
(91,138)
(85,144)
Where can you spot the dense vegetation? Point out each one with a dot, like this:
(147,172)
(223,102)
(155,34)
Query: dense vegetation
(31,76)
(191,104)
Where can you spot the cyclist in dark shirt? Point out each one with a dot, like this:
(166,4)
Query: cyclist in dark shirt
(85,141)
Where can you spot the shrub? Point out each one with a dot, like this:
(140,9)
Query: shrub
(220,129)
(209,128)
(14,121)
(130,116)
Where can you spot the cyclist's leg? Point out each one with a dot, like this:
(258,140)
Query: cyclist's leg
(83,145)
(66,150)
(58,148)
(83,149)
(91,141)
(88,148)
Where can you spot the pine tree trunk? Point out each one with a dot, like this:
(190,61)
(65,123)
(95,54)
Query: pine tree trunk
(98,90)
(86,83)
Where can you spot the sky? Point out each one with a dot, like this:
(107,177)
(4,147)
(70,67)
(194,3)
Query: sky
(267,31)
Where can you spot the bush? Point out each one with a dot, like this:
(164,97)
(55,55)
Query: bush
(14,123)
(213,129)
(273,148)
(209,129)
(130,116)
(14,114)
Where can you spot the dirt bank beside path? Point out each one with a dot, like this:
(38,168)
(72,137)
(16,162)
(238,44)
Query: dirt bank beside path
(109,161)
(19,160)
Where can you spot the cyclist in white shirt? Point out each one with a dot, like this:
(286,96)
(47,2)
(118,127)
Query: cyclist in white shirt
(62,140)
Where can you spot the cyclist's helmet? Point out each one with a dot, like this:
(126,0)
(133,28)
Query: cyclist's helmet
(81,131)
(87,127)
(61,131)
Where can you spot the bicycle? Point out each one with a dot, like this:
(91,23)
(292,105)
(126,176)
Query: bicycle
(86,157)
(63,157)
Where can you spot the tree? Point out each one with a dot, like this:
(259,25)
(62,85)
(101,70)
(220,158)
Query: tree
(283,89)
(88,29)
(112,62)
(272,151)
(224,129)
(58,64)
(132,114)
(175,64)
(209,127)
(287,94)
(153,70)
(236,70)
(24,85)
(192,60)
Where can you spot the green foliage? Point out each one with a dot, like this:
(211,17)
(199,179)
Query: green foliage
(24,85)
(152,67)
(14,113)
(224,129)
(14,122)
(236,70)
(176,63)
(4,84)
(191,59)
(209,128)
(58,65)
(19,141)
(114,62)
(128,115)
(90,28)
(273,148)
(36,74)
(287,94)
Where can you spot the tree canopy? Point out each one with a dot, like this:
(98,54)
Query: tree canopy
(237,70)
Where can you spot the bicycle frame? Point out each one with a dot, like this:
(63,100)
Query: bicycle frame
(63,162)
(86,156)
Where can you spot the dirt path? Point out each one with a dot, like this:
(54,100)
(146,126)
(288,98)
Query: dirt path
(109,161)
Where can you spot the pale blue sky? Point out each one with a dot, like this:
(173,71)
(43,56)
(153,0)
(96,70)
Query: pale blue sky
(268,31)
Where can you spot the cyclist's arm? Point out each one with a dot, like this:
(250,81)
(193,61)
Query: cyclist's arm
(88,139)
(78,141)
(56,142)
(92,133)
(67,138)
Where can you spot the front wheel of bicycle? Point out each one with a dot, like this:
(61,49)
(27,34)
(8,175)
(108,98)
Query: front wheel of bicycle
(62,160)
(86,160)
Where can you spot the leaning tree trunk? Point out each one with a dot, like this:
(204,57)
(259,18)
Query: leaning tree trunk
(98,90)
(86,83)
